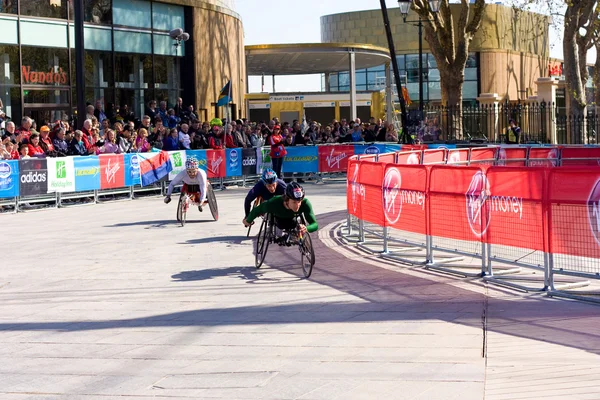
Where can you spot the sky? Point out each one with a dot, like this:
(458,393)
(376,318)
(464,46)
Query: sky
(298,21)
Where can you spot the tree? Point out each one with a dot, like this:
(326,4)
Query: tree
(449,42)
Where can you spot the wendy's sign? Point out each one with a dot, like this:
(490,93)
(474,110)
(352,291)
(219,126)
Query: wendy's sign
(40,77)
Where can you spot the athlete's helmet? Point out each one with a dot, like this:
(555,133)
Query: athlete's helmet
(294,191)
(269,176)
(191,164)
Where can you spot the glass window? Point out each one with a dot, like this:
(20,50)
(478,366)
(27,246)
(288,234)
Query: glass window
(431,61)
(8,7)
(45,66)
(166,72)
(164,45)
(96,38)
(167,16)
(98,69)
(471,60)
(361,78)
(377,69)
(131,13)
(344,88)
(9,65)
(45,96)
(401,63)
(333,80)
(360,87)
(49,34)
(376,80)
(11,101)
(434,75)
(412,61)
(344,79)
(470,74)
(470,90)
(133,42)
(9,31)
(97,11)
(435,91)
(44,8)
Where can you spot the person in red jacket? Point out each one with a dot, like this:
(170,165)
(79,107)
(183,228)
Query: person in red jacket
(229,140)
(215,139)
(35,150)
(278,151)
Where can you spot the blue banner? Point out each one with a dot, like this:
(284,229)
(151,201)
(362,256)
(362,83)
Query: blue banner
(9,178)
(301,159)
(234,162)
(392,147)
(132,169)
(441,146)
(369,149)
(200,155)
(87,173)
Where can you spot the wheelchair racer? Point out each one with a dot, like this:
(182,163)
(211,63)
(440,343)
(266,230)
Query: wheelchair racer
(285,209)
(194,183)
(267,187)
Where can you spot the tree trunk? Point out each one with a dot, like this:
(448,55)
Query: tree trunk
(452,89)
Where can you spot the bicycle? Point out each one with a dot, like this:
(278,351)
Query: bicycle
(256,203)
(266,235)
(188,199)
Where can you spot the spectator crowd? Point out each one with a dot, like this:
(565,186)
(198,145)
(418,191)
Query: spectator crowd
(176,128)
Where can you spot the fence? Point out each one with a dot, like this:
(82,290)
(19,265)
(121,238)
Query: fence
(513,209)
(490,123)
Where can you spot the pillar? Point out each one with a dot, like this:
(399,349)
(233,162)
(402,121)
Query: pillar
(546,92)
(352,69)
(389,96)
(490,102)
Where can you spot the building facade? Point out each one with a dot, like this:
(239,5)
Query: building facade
(507,55)
(129,57)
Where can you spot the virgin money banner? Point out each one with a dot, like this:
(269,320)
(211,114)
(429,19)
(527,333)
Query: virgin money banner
(249,161)
(33,177)
(512,156)
(405,197)
(61,174)
(513,209)
(409,157)
(354,190)
(456,197)
(301,159)
(199,155)
(369,149)
(216,165)
(483,155)
(234,162)
(580,156)
(435,156)
(112,171)
(370,177)
(387,158)
(413,147)
(574,215)
(543,156)
(458,156)
(334,158)
(178,162)
(9,178)
(87,173)
(263,160)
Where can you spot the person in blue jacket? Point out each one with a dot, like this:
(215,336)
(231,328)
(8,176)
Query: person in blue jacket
(267,187)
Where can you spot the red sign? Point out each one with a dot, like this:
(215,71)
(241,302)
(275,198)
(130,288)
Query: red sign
(543,156)
(434,156)
(353,189)
(580,156)
(512,156)
(334,158)
(215,164)
(387,158)
(483,155)
(555,69)
(112,171)
(409,157)
(370,176)
(458,157)
(50,77)
(405,198)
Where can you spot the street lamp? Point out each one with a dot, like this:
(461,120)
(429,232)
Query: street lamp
(178,35)
(434,7)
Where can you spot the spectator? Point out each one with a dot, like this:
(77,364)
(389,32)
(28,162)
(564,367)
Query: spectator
(104,126)
(4,152)
(141,142)
(382,132)
(200,140)
(99,112)
(89,111)
(35,150)
(178,109)
(189,113)
(515,130)
(215,140)
(110,144)
(371,133)
(25,130)
(9,130)
(24,151)
(229,139)
(60,144)
(46,142)
(391,135)
(171,142)
(163,112)
(86,131)
(151,109)
(278,151)
(77,145)
(289,139)
(357,135)
(184,137)
(174,120)
(11,148)
(256,139)
(146,123)
(125,114)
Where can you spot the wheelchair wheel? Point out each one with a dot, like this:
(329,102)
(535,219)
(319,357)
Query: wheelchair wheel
(307,255)
(262,243)
(256,203)
(182,210)
(212,202)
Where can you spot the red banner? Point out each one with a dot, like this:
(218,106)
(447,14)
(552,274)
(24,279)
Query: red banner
(458,156)
(456,199)
(409,157)
(514,207)
(112,171)
(370,177)
(411,147)
(543,156)
(405,197)
(580,156)
(353,188)
(512,156)
(216,167)
(574,211)
(483,155)
(387,158)
(334,158)
(434,156)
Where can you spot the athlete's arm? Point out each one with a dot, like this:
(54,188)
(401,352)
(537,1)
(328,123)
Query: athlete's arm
(309,216)
(176,181)
(261,209)
(202,182)
(250,197)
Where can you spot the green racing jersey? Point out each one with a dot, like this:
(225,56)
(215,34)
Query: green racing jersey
(276,208)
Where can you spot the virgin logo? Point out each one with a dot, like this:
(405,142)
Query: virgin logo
(392,204)
(454,157)
(477,195)
(357,188)
(214,164)
(501,156)
(111,172)
(413,159)
(334,161)
(594,211)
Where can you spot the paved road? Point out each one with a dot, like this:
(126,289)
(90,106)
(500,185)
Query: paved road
(116,301)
